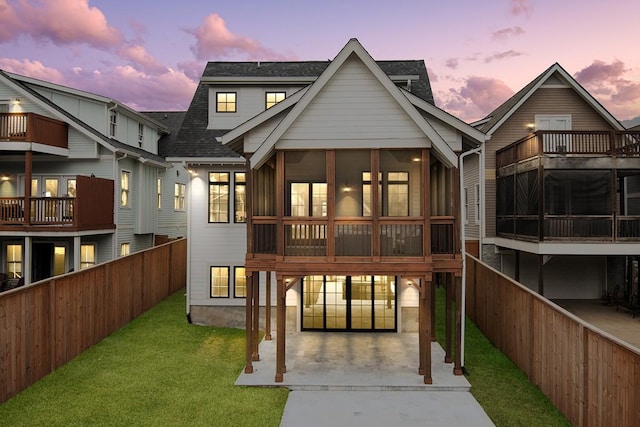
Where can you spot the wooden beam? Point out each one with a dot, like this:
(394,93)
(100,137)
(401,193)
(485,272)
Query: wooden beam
(426,201)
(280,330)
(426,341)
(248,368)
(457,362)
(433,313)
(267,308)
(375,202)
(255,284)
(421,322)
(448,284)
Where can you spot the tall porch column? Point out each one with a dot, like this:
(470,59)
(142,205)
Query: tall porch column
(457,362)
(433,313)
(425,329)
(280,329)
(28,257)
(77,244)
(248,368)
(267,308)
(448,284)
(28,165)
(255,282)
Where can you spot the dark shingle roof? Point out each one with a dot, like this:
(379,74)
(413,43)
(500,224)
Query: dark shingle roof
(195,140)
(172,120)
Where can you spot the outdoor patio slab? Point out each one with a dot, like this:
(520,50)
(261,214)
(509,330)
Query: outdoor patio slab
(353,361)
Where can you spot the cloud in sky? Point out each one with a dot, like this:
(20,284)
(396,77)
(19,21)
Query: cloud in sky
(502,55)
(476,98)
(35,69)
(610,84)
(213,39)
(521,7)
(452,63)
(59,21)
(507,33)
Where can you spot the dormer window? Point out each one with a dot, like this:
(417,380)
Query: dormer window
(226,102)
(273,98)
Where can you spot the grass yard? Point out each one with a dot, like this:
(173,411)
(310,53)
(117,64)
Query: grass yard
(503,391)
(159,370)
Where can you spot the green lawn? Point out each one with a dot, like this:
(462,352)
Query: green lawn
(159,370)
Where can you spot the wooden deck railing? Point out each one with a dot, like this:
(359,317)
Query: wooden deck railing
(48,323)
(31,127)
(590,376)
(352,237)
(585,143)
(92,208)
(608,228)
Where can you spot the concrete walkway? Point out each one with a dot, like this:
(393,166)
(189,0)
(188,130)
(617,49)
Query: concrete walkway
(353,379)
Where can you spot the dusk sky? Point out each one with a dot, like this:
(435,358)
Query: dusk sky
(149,54)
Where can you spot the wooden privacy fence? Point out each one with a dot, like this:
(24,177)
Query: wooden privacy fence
(48,323)
(587,374)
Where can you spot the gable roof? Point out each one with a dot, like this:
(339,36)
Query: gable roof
(353,47)
(194,140)
(19,83)
(498,116)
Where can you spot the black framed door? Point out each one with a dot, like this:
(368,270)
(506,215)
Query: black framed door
(349,303)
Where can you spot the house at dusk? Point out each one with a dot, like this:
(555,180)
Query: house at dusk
(324,194)
(561,183)
(81,181)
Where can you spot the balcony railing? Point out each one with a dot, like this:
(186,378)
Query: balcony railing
(584,143)
(607,228)
(31,127)
(92,208)
(352,238)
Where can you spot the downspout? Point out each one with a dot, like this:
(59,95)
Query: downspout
(463,310)
(116,203)
(189,230)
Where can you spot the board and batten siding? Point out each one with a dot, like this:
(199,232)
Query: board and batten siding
(172,222)
(546,100)
(352,106)
(212,244)
(471,178)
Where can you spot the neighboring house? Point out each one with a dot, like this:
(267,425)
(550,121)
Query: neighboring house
(561,179)
(79,176)
(305,222)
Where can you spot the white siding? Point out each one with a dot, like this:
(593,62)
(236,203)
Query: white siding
(212,244)
(251,100)
(146,209)
(171,222)
(353,105)
(471,178)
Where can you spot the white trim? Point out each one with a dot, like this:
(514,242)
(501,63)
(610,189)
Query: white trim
(569,248)
(446,154)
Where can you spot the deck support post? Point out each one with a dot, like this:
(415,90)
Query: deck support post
(248,368)
(427,330)
(267,308)
(280,329)
(457,362)
(448,284)
(255,282)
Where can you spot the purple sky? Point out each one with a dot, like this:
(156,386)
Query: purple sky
(149,54)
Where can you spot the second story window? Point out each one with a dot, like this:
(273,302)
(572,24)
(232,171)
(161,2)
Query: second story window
(240,196)
(226,102)
(159,193)
(273,98)
(398,194)
(218,196)
(113,123)
(140,134)
(124,188)
(308,199)
(178,199)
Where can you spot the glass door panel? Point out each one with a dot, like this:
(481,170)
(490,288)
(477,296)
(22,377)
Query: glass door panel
(313,302)
(336,302)
(384,302)
(361,302)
